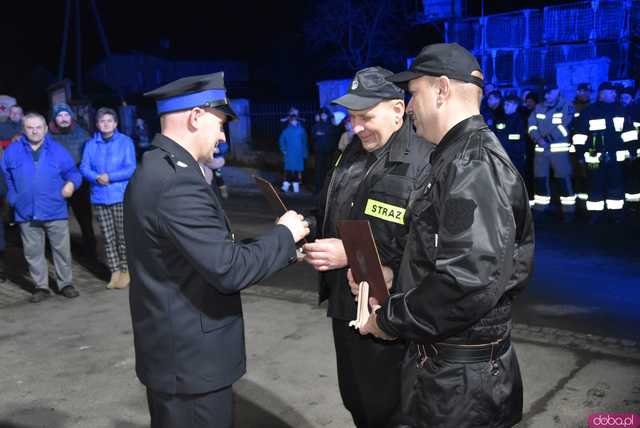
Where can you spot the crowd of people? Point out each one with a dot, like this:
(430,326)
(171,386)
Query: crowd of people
(584,150)
(48,167)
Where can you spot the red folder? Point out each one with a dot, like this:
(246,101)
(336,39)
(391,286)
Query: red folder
(362,254)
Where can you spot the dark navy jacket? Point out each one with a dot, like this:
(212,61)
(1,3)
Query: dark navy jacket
(186,275)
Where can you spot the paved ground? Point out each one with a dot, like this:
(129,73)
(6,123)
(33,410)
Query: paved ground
(70,363)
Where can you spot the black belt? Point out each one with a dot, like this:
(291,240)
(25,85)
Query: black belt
(465,354)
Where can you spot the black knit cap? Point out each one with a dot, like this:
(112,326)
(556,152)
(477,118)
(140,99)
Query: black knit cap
(442,59)
(368,88)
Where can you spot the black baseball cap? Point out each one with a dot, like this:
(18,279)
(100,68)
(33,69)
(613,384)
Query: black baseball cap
(368,88)
(442,59)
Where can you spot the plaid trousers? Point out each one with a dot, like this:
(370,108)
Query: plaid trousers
(111,220)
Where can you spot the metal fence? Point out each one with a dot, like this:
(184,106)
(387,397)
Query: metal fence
(514,67)
(513,30)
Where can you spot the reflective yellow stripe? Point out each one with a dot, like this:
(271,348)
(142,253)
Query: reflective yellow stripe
(541,116)
(632,197)
(592,159)
(557,115)
(595,206)
(622,155)
(338,160)
(560,147)
(563,130)
(514,137)
(636,124)
(539,149)
(501,126)
(615,204)
(533,128)
(572,149)
(576,114)
(532,202)
(542,200)
(568,200)
(597,125)
(583,196)
(556,120)
(629,136)
(638,152)
(618,123)
(384,211)
(580,139)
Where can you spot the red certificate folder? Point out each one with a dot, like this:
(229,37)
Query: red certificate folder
(362,254)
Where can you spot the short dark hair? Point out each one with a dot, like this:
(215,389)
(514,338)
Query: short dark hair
(532,96)
(103,111)
(512,99)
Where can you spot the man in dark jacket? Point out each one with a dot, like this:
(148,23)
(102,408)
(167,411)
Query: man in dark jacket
(384,166)
(40,176)
(512,133)
(186,268)
(325,142)
(64,129)
(468,254)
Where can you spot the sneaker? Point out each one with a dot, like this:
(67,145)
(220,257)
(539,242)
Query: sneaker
(69,292)
(39,295)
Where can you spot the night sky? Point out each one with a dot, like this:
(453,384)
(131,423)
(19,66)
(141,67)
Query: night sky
(267,35)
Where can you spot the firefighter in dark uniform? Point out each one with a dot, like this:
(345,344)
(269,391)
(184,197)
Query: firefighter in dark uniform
(581,101)
(512,133)
(549,126)
(606,142)
(186,268)
(383,167)
(469,253)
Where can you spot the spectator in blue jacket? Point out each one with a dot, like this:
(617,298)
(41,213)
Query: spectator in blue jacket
(293,145)
(41,175)
(108,162)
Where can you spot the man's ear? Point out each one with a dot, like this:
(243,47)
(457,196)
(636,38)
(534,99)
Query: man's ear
(398,107)
(193,118)
(443,87)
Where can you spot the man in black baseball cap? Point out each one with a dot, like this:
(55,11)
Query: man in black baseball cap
(443,59)
(374,179)
(186,267)
(469,252)
(368,88)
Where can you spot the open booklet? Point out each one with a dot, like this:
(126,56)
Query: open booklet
(273,199)
(364,261)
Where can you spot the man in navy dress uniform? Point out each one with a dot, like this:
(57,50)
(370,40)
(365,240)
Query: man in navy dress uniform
(187,271)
